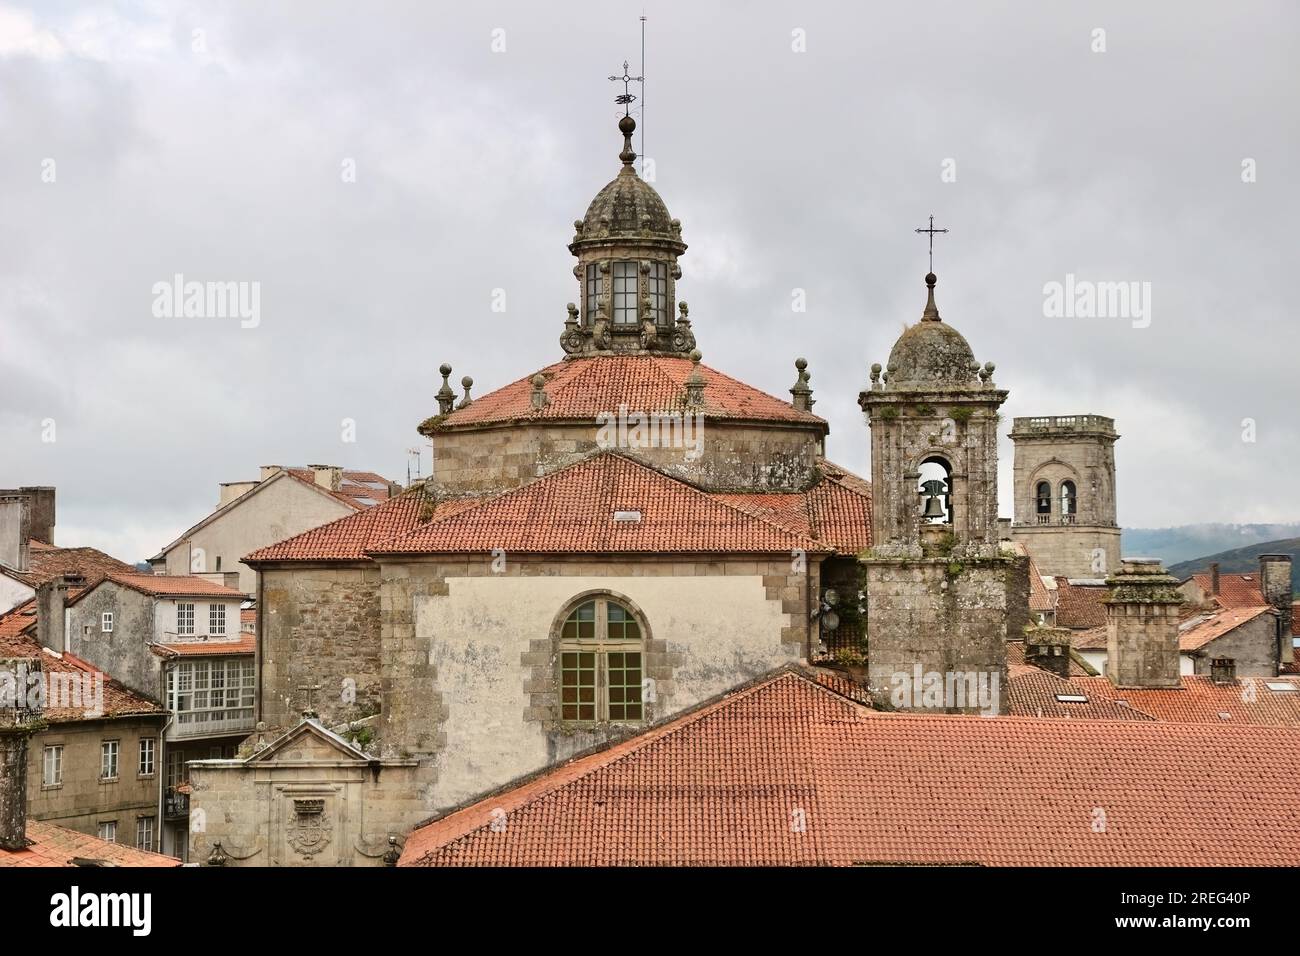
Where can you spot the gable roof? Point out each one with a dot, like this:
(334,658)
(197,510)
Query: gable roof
(572,510)
(1235,590)
(1196,632)
(1034,692)
(1080,606)
(166,585)
(580,388)
(1247,700)
(309,727)
(46,562)
(53,845)
(352,493)
(18,640)
(788,772)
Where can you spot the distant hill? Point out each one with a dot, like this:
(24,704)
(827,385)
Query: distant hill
(1202,542)
(1245,560)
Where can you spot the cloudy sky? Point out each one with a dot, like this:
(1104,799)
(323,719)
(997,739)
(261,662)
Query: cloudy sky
(800,144)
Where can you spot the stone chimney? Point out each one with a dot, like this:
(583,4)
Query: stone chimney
(1275,585)
(329,477)
(1048,648)
(16,727)
(25,513)
(231,490)
(268,471)
(51,598)
(1142,625)
(1214,579)
(1223,670)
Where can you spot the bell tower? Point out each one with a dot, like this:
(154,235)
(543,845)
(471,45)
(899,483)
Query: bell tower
(941,593)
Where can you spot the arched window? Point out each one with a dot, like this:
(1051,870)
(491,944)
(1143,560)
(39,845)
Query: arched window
(601,656)
(1043,498)
(1069,501)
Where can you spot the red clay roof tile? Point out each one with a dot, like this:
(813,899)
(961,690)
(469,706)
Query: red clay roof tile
(58,846)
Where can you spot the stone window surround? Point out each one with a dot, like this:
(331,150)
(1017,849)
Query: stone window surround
(646,262)
(542,661)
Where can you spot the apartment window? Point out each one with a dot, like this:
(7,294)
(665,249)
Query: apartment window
(108,831)
(175,768)
(625,293)
(601,663)
(52,773)
(216,619)
(657,283)
(218,562)
(593,293)
(148,756)
(184,618)
(144,833)
(211,692)
(108,752)
(106,622)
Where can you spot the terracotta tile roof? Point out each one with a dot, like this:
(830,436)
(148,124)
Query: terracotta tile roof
(1040,598)
(360,489)
(582,388)
(1235,590)
(18,640)
(573,510)
(168,585)
(1033,692)
(350,537)
(1079,606)
(1016,658)
(835,511)
(245,644)
(58,846)
(1248,700)
(48,562)
(1196,632)
(1093,639)
(788,773)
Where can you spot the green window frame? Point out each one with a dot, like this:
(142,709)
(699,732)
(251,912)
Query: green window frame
(601,664)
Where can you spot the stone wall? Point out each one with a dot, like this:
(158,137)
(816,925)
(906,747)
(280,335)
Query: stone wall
(469,660)
(727,457)
(124,652)
(249,809)
(1075,551)
(319,626)
(1252,646)
(944,616)
(84,801)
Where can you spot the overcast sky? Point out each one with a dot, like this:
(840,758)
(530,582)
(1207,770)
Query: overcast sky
(800,144)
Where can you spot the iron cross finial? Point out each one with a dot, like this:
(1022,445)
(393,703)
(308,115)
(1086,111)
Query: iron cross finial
(626,98)
(932,232)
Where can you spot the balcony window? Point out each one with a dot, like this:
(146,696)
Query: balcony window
(211,696)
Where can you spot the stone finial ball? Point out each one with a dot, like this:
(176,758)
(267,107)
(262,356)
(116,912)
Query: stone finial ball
(875,366)
(627,125)
(467,381)
(931,279)
(577,225)
(539,380)
(444,369)
(801,363)
(696,355)
(989,367)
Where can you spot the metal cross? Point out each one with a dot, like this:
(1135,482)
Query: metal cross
(932,231)
(626,98)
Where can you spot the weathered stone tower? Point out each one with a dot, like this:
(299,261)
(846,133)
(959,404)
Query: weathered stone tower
(1142,625)
(938,584)
(1065,494)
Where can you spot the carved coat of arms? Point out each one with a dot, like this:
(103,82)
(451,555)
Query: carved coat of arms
(310,830)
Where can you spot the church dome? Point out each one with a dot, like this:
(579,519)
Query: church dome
(627,208)
(931,352)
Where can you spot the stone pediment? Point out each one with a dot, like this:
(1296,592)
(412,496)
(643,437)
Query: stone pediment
(309,742)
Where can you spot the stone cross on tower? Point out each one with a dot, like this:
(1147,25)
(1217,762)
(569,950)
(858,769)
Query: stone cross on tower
(932,232)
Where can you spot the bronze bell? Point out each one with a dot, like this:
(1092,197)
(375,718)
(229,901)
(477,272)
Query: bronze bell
(933,506)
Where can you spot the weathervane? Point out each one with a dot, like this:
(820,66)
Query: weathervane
(932,231)
(626,98)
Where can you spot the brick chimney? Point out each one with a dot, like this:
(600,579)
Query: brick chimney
(1142,625)
(1048,648)
(1275,585)
(1214,579)
(51,598)
(329,477)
